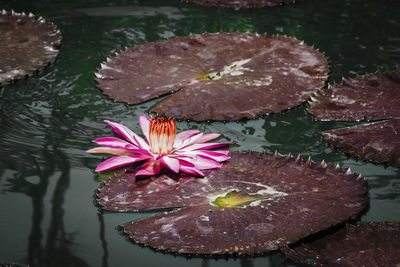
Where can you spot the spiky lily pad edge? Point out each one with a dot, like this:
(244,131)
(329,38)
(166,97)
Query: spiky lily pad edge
(130,170)
(347,148)
(56,45)
(235,254)
(314,98)
(99,77)
(303,250)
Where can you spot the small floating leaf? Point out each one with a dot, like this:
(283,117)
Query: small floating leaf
(367,244)
(373,96)
(270,204)
(220,76)
(27,44)
(370,97)
(377,142)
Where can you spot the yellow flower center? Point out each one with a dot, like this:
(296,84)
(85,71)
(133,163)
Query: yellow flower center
(162,135)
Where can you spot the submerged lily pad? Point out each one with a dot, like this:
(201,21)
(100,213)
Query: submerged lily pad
(221,76)
(373,96)
(27,44)
(378,142)
(367,244)
(240,3)
(269,201)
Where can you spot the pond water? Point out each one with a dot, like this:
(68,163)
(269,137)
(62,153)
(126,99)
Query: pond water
(47,121)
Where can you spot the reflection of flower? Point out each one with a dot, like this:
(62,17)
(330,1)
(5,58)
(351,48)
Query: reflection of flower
(183,152)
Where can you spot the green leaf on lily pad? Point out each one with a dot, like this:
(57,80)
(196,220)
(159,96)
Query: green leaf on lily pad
(273,200)
(236,198)
(216,76)
(27,44)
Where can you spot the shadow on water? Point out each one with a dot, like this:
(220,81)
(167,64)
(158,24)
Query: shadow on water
(103,240)
(51,247)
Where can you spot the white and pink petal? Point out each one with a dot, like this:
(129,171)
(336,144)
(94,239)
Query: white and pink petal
(171,163)
(189,168)
(180,137)
(145,125)
(109,150)
(207,137)
(115,143)
(205,146)
(149,168)
(188,141)
(119,161)
(126,133)
(218,155)
(200,162)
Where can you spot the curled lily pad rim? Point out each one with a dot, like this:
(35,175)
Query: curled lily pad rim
(354,155)
(56,44)
(312,100)
(344,232)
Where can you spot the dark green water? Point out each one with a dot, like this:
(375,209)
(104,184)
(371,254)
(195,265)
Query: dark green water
(47,121)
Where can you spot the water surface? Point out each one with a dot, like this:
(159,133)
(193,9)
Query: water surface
(48,120)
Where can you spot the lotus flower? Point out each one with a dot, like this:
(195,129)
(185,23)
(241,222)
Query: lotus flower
(187,151)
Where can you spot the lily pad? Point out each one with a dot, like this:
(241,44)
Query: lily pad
(370,97)
(362,141)
(240,4)
(267,201)
(367,244)
(220,76)
(27,44)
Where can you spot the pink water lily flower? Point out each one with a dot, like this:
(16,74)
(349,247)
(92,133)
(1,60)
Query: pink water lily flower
(186,151)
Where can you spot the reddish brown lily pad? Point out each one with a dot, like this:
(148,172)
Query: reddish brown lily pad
(221,76)
(27,44)
(367,244)
(272,200)
(377,142)
(370,97)
(239,3)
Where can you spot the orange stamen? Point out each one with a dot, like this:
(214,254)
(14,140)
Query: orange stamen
(162,135)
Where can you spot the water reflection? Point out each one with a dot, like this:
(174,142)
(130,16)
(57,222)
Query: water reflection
(51,246)
(104,259)
(385,186)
